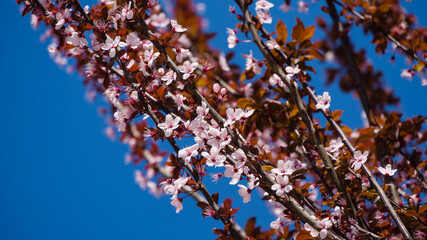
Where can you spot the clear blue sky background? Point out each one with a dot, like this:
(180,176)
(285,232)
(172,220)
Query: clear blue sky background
(61,178)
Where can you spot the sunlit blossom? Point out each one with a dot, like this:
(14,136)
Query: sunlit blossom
(170,124)
(387,171)
(323,101)
(359,159)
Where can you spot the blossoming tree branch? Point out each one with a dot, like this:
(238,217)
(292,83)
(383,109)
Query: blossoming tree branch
(264,128)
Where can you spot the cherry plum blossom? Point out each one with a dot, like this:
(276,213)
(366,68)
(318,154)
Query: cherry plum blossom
(245,193)
(214,157)
(62,18)
(189,152)
(387,171)
(324,101)
(359,159)
(113,45)
(263,5)
(187,69)
(170,124)
(176,27)
(282,186)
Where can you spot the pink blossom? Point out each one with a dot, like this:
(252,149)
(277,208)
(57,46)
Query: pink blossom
(387,171)
(284,167)
(169,77)
(263,5)
(285,7)
(112,45)
(231,39)
(264,17)
(177,203)
(61,18)
(420,234)
(407,73)
(159,20)
(231,9)
(216,88)
(239,155)
(282,185)
(275,80)
(233,172)
(414,199)
(141,180)
(266,149)
(147,45)
(313,232)
(222,61)
(189,152)
(336,215)
(247,113)
(334,146)
(251,62)
(252,180)
(76,40)
(179,101)
(149,57)
(187,68)
(215,177)
(34,21)
(245,193)
(271,44)
(214,157)
(302,7)
(120,120)
(173,186)
(233,115)
(359,159)
(202,110)
(324,101)
(127,12)
(133,41)
(276,224)
(94,41)
(176,27)
(154,189)
(218,137)
(200,127)
(292,70)
(143,67)
(365,183)
(181,53)
(170,124)
(324,224)
(109,132)
(113,93)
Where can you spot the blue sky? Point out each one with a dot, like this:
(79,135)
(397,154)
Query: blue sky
(61,178)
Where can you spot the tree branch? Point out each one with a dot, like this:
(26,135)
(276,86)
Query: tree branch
(365,169)
(236,231)
(278,69)
(349,56)
(402,47)
(238,140)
